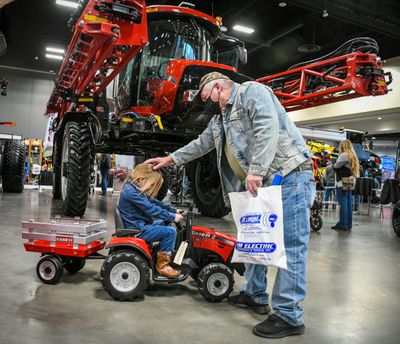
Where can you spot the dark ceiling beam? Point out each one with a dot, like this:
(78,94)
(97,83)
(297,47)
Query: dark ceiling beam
(348,15)
(231,14)
(274,37)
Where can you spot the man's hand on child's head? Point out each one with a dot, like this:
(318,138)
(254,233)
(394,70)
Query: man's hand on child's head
(160,162)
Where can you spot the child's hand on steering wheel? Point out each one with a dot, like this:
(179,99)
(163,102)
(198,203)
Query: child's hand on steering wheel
(178,218)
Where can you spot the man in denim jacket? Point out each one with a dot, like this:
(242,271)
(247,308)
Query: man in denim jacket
(254,140)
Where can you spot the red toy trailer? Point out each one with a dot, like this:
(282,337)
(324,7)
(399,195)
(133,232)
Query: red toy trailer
(64,243)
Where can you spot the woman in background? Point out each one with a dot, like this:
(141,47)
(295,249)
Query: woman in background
(347,165)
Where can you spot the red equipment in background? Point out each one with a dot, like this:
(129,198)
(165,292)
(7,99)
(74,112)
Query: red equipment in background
(336,79)
(106,37)
(160,53)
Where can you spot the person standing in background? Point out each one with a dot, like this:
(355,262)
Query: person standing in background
(105,166)
(347,165)
(330,185)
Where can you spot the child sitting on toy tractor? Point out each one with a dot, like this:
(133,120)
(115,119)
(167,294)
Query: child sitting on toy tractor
(138,207)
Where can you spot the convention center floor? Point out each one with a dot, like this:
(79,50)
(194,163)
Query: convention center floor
(353,289)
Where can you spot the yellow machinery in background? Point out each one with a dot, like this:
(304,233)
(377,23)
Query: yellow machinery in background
(320,147)
(322,153)
(34,158)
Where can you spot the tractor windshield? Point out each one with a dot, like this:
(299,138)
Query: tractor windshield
(169,39)
(177,38)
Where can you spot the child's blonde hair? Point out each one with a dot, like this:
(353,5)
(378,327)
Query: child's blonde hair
(347,147)
(153,179)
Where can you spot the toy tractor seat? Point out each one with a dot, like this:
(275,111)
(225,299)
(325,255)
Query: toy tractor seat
(120,230)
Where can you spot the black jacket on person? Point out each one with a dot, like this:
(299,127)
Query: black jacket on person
(390,191)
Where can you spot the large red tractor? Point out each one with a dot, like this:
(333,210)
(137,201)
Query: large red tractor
(156,57)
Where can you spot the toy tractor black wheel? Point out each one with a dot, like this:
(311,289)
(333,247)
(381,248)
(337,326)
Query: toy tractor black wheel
(215,282)
(73,265)
(75,168)
(13,166)
(316,222)
(49,269)
(396,219)
(125,275)
(206,186)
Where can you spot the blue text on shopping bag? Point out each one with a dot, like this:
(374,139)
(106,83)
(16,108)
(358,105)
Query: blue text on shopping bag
(256,247)
(267,219)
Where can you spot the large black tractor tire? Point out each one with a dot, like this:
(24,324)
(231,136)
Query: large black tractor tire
(164,187)
(215,282)
(206,186)
(396,219)
(57,168)
(13,166)
(125,275)
(75,168)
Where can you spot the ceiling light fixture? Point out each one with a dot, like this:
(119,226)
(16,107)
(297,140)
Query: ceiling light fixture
(55,57)
(244,29)
(55,50)
(282,3)
(325,13)
(379,118)
(67,3)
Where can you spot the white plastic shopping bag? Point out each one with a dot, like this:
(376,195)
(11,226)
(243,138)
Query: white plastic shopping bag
(259,222)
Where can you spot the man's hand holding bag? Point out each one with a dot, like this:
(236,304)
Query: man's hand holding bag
(259,221)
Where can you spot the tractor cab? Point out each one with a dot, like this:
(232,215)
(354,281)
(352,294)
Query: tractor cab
(179,37)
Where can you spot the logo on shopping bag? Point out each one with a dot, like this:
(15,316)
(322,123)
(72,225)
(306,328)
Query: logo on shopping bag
(251,219)
(256,247)
(270,219)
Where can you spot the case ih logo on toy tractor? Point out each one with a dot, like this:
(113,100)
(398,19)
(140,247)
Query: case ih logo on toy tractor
(66,239)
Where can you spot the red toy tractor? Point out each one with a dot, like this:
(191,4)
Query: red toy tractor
(125,273)
(67,243)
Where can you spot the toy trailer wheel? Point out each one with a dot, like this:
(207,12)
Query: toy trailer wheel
(316,223)
(125,275)
(73,265)
(49,269)
(215,282)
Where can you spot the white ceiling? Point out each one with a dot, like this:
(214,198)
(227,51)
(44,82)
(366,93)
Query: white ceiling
(390,123)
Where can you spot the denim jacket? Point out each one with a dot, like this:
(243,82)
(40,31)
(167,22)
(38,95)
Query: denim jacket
(260,134)
(137,210)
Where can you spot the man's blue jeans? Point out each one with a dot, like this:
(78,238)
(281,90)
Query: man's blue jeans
(157,231)
(298,191)
(345,200)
